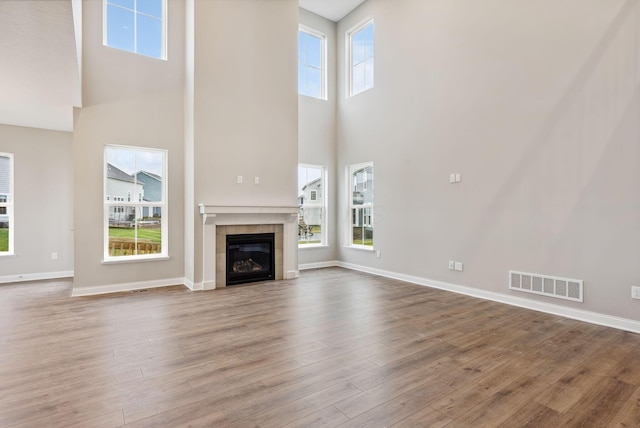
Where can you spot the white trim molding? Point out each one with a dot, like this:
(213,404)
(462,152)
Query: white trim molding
(36,276)
(127,286)
(318,265)
(549,308)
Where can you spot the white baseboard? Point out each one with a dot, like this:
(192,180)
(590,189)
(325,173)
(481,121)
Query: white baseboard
(318,265)
(188,283)
(576,314)
(198,286)
(36,276)
(129,286)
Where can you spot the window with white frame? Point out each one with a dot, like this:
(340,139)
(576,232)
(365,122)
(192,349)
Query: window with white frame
(135,229)
(6,204)
(312,198)
(311,63)
(361,55)
(137,26)
(361,205)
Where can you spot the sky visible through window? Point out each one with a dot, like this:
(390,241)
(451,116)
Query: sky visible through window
(132,161)
(306,175)
(362,59)
(135,26)
(309,65)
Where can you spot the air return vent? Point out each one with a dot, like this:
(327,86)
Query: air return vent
(552,286)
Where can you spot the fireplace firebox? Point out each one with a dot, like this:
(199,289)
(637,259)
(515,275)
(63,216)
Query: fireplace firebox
(250,258)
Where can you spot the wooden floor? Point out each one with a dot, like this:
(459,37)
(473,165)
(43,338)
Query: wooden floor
(334,347)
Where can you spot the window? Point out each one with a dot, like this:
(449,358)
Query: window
(361,205)
(6,204)
(312,198)
(360,43)
(137,26)
(311,63)
(135,229)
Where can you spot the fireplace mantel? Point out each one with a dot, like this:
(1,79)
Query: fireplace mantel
(227,215)
(248,209)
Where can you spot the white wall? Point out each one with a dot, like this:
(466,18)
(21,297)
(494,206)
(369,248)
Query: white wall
(317,137)
(245,105)
(536,109)
(128,100)
(43,205)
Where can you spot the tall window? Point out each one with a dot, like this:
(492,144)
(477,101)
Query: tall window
(361,57)
(312,198)
(137,26)
(135,228)
(6,204)
(361,205)
(311,63)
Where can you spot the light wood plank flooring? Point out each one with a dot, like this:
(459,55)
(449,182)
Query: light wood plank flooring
(334,348)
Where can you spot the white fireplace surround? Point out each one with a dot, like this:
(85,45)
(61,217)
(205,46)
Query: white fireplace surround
(218,215)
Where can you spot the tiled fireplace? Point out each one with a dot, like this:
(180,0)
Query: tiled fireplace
(220,221)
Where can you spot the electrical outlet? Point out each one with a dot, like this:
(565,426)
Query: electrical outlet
(239,179)
(256,180)
(635,292)
(378,253)
(54,256)
(458,266)
(457,178)
(452,265)
(452,178)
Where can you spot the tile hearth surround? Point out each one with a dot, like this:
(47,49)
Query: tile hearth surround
(218,221)
(221,247)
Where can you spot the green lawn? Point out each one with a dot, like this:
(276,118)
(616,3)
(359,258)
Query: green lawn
(358,232)
(152,234)
(4,239)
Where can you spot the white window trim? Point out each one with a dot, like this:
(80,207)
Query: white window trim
(348,51)
(323,65)
(10,207)
(350,185)
(164,254)
(325,210)
(164,44)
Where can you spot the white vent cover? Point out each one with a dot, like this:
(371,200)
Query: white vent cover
(545,285)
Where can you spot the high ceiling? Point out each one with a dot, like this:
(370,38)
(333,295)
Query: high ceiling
(334,10)
(39,76)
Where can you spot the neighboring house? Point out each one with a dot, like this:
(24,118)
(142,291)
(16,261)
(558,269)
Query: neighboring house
(5,188)
(362,194)
(312,202)
(152,191)
(122,187)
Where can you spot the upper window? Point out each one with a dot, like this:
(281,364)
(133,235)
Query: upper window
(361,57)
(361,205)
(135,228)
(312,198)
(137,26)
(311,63)
(6,204)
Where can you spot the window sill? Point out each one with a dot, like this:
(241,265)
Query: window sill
(7,255)
(312,246)
(134,260)
(368,249)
